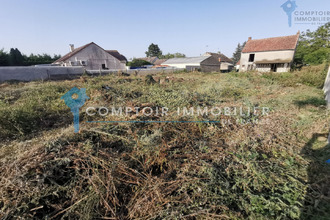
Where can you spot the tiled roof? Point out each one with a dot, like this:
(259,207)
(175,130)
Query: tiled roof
(75,51)
(220,56)
(272,44)
(117,55)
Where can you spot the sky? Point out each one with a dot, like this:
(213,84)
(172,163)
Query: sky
(192,27)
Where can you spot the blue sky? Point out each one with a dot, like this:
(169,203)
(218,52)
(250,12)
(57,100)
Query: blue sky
(191,27)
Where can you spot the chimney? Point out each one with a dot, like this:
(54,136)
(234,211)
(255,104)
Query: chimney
(250,38)
(298,33)
(71,47)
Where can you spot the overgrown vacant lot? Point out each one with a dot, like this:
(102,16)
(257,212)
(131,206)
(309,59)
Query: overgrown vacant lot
(270,170)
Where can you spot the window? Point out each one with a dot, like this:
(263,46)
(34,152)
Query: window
(103,66)
(251,58)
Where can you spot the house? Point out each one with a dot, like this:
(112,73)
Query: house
(93,57)
(217,62)
(188,63)
(119,56)
(209,62)
(271,54)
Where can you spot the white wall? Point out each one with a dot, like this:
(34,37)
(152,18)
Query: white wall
(285,56)
(182,66)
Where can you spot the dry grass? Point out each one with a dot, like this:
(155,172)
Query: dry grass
(273,170)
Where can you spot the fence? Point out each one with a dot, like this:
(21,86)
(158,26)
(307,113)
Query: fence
(27,74)
(39,73)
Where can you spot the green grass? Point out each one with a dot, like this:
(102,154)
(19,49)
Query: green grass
(271,170)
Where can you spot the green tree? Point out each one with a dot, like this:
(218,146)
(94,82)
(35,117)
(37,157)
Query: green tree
(4,58)
(39,59)
(238,52)
(318,56)
(173,55)
(313,47)
(154,51)
(15,57)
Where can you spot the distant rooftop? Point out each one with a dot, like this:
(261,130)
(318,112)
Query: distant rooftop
(219,56)
(148,59)
(272,44)
(114,53)
(117,55)
(72,53)
(186,60)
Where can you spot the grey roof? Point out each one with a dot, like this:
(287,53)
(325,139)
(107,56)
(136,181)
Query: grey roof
(148,59)
(186,60)
(117,55)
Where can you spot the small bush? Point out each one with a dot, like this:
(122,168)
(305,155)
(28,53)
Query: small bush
(310,76)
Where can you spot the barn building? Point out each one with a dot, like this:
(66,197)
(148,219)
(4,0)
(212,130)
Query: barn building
(270,54)
(93,57)
(209,62)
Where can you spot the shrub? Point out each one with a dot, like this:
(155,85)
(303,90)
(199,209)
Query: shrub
(319,56)
(310,76)
(138,63)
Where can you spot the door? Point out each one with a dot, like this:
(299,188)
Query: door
(273,67)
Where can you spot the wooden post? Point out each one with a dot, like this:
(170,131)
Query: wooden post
(326,90)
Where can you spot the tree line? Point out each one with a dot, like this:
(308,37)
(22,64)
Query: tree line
(15,58)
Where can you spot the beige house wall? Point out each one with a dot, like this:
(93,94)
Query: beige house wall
(94,57)
(266,58)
